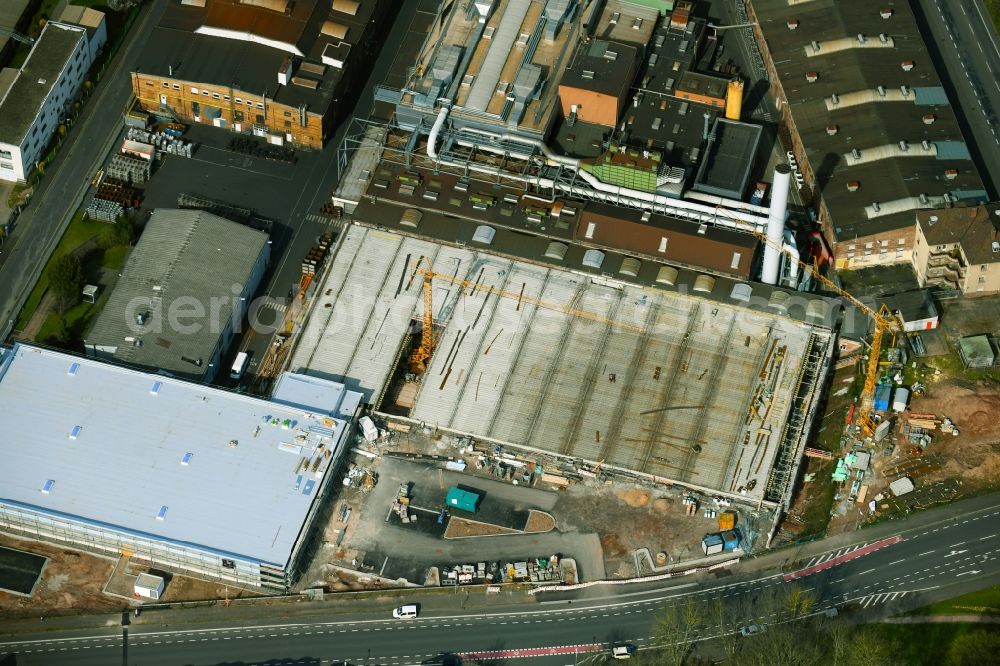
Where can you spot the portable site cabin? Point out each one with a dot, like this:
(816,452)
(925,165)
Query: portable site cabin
(462,499)
(148,586)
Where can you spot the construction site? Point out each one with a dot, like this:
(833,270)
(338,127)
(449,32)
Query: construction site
(678,388)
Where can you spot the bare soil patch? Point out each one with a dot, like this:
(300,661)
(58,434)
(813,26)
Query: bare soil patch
(539,521)
(463,527)
(634,497)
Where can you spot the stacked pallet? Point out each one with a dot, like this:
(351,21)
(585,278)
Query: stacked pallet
(128,169)
(317,255)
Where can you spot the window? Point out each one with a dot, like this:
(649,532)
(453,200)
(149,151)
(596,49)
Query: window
(239,100)
(868,246)
(663,244)
(260,119)
(205,93)
(216,96)
(260,105)
(736,260)
(851,247)
(162,513)
(225,97)
(7,165)
(249,103)
(6,154)
(237,116)
(288,113)
(176,86)
(885,243)
(901,241)
(288,124)
(194,91)
(166,85)
(591,228)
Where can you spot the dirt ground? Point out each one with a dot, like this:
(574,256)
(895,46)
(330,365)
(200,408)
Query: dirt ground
(74,582)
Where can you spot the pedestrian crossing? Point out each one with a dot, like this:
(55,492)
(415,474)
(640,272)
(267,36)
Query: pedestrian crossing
(271,304)
(880,598)
(820,559)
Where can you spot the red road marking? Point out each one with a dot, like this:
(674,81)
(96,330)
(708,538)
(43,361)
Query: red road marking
(847,557)
(526,653)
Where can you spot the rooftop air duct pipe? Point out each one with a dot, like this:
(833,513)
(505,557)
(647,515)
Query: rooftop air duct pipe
(776,224)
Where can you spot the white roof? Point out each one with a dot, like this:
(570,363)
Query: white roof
(237,494)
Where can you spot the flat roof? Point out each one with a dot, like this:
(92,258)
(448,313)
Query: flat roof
(113,441)
(725,166)
(243,46)
(854,71)
(545,357)
(39,74)
(601,67)
(182,257)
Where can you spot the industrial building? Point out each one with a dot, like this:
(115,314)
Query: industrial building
(701,381)
(182,295)
(272,68)
(176,475)
(959,248)
(869,122)
(38,96)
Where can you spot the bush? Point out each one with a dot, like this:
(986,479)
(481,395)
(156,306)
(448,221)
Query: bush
(66,281)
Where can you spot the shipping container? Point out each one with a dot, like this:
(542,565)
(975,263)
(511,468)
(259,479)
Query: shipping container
(882,395)
(712,544)
(462,499)
(148,586)
(730,540)
(900,400)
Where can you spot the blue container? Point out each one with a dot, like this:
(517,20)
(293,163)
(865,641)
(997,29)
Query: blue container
(882,395)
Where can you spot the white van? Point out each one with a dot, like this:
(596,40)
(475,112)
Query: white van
(239,365)
(407,612)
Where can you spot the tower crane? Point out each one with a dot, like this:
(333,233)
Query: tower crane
(885,325)
(420,355)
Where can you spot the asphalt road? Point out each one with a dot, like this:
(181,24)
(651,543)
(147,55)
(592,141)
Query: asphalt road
(932,556)
(966,52)
(42,223)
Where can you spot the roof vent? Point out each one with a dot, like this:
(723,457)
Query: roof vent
(885,13)
(925,144)
(162,513)
(861,39)
(932,220)
(907,65)
(812,77)
(835,99)
(832,129)
(702,228)
(792,24)
(73,367)
(951,174)
(815,46)
(904,146)
(587,74)
(876,207)
(905,90)
(884,38)
(923,200)
(929,118)
(155,388)
(996,246)
(853,185)
(881,91)
(855,153)
(47,488)
(611,55)
(75,432)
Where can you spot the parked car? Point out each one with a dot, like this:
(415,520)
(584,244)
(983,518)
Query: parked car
(622,651)
(752,629)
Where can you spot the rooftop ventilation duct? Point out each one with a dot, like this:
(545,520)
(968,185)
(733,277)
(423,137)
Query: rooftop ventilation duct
(812,77)
(556,12)
(835,99)
(832,129)
(904,146)
(792,24)
(884,38)
(886,13)
(929,118)
(484,8)
(951,174)
(906,65)
(861,39)
(855,153)
(905,90)
(925,144)
(923,200)
(881,91)
(815,46)
(853,185)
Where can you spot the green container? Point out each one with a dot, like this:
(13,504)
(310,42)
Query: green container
(462,499)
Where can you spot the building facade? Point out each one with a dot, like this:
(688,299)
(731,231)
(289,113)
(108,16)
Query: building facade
(959,248)
(45,86)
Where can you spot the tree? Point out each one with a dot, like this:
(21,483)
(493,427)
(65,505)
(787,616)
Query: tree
(973,648)
(66,281)
(120,232)
(122,5)
(675,632)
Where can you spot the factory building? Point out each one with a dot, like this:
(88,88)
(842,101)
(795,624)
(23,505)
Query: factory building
(182,295)
(175,475)
(34,102)
(596,83)
(277,69)
(869,123)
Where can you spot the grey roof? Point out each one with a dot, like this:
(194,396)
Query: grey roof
(912,305)
(38,76)
(725,168)
(867,125)
(975,228)
(236,499)
(186,254)
(606,73)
